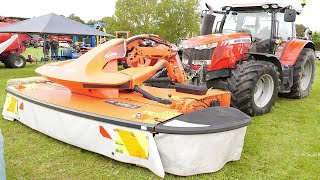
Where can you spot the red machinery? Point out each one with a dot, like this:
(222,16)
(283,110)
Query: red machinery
(62,38)
(254,54)
(11,56)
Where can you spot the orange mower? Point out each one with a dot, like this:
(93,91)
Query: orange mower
(91,104)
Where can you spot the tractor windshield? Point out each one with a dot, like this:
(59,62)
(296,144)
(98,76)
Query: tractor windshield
(258,24)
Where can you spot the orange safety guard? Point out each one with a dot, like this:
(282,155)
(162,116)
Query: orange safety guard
(96,72)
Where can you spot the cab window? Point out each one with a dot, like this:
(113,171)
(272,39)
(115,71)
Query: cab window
(284,29)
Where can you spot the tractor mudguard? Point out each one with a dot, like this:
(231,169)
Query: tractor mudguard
(292,50)
(269,58)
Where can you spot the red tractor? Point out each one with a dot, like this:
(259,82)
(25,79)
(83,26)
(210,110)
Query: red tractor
(254,54)
(11,56)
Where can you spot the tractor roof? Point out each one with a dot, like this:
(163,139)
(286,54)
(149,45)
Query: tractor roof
(254,6)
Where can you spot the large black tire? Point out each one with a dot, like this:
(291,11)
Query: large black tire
(254,87)
(15,61)
(303,75)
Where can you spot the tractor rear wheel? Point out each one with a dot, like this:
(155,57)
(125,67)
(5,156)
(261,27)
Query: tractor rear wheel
(303,75)
(15,61)
(254,87)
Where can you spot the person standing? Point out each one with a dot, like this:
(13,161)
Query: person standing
(54,48)
(46,48)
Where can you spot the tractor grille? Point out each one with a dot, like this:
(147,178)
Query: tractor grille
(196,54)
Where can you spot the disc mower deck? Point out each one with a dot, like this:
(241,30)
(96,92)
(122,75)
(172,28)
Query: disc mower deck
(90,104)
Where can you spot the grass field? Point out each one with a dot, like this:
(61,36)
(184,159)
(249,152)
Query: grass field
(284,144)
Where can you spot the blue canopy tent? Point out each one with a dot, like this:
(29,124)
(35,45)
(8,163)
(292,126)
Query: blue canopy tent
(52,24)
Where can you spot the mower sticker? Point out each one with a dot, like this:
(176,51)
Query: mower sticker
(132,143)
(111,55)
(12,104)
(121,104)
(105,132)
(163,115)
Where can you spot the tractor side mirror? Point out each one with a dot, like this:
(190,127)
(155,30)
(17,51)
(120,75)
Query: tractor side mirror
(290,15)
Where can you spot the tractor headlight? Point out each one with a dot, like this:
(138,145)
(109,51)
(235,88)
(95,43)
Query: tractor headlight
(196,62)
(200,62)
(206,46)
(185,61)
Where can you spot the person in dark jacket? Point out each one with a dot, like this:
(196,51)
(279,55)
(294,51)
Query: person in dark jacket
(54,48)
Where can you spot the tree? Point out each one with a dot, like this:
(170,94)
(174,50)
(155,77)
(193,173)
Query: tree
(316,40)
(91,22)
(17,18)
(316,36)
(76,18)
(176,18)
(171,19)
(137,16)
(110,23)
(300,30)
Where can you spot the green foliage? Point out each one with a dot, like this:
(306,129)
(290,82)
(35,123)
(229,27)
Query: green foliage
(137,16)
(110,23)
(17,18)
(300,30)
(317,45)
(316,40)
(76,18)
(91,22)
(316,36)
(171,19)
(177,18)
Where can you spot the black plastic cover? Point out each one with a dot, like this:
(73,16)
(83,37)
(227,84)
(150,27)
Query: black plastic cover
(191,89)
(212,120)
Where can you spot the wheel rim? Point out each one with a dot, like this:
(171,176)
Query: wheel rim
(263,90)
(18,62)
(306,73)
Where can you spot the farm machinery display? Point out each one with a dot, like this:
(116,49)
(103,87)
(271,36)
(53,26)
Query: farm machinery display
(254,54)
(11,55)
(92,104)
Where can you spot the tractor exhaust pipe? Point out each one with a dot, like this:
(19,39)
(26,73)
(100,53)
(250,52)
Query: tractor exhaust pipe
(207,21)
(210,9)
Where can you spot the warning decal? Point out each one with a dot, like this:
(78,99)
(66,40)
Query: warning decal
(12,104)
(132,143)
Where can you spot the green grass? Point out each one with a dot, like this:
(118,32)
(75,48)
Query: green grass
(35,52)
(284,144)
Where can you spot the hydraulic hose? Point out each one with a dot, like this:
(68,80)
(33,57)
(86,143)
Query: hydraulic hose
(151,97)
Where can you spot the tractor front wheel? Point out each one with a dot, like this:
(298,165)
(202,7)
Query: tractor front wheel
(254,87)
(15,61)
(303,75)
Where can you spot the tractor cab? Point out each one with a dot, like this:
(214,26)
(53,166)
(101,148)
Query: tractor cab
(269,25)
